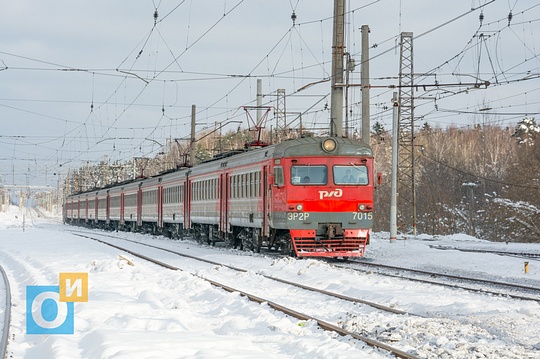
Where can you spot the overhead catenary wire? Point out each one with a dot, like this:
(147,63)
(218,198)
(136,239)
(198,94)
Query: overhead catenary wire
(455,169)
(99,122)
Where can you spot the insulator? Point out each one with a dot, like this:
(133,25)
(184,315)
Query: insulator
(481,17)
(351,65)
(510,18)
(293,18)
(155,16)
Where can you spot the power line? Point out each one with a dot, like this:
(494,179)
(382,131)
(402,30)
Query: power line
(478,176)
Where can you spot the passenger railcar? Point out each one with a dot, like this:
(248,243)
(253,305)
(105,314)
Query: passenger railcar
(311,197)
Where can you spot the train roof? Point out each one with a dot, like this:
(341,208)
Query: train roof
(305,147)
(298,147)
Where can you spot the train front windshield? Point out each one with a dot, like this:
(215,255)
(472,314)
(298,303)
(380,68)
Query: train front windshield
(304,175)
(318,175)
(357,175)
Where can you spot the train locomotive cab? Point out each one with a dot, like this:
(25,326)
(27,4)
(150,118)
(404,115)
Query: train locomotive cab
(323,197)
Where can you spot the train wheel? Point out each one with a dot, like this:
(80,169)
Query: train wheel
(287,247)
(255,240)
(197,233)
(208,233)
(181,232)
(258,246)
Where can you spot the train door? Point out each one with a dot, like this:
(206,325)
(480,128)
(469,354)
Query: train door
(266,199)
(121,220)
(159,200)
(96,208)
(139,205)
(86,209)
(86,205)
(224,203)
(108,208)
(187,203)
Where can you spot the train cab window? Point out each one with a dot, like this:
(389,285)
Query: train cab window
(353,175)
(309,175)
(279,179)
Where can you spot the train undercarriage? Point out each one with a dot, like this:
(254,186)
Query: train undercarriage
(330,240)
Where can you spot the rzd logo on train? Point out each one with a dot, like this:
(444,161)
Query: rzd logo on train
(338,192)
(50,309)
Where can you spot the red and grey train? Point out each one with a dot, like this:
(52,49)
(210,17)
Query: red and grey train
(308,197)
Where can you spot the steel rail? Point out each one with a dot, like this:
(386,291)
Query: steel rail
(298,285)
(501,253)
(322,324)
(450,276)
(359,262)
(7,316)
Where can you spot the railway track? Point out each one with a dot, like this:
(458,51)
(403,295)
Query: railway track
(4,333)
(294,284)
(360,321)
(533,256)
(450,280)
(258,299)
(478,285)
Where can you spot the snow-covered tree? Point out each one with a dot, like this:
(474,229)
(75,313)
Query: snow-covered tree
(526,131)
(426,128)
(378,132)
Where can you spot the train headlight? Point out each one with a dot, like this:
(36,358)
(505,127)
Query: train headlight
(299,207)
(329,145)
(361,207)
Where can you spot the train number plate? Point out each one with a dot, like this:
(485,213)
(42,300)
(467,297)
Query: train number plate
(297,216)
(359,216)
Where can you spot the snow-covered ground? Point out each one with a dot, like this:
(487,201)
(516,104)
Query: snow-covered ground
(144,311)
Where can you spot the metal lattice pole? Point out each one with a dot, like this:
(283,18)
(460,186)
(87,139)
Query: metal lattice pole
(281,120)
(406,187)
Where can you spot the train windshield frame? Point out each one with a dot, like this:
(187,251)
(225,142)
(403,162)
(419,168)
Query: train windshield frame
(305,175)
(350,175)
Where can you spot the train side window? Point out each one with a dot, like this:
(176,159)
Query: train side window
(251,190)
(257,184)
(279,178)
(244,185)
(248,185)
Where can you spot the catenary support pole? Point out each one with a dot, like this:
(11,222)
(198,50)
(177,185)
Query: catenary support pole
(338,50)
(192,142)
(259,101)
(365,84)
(393,198)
